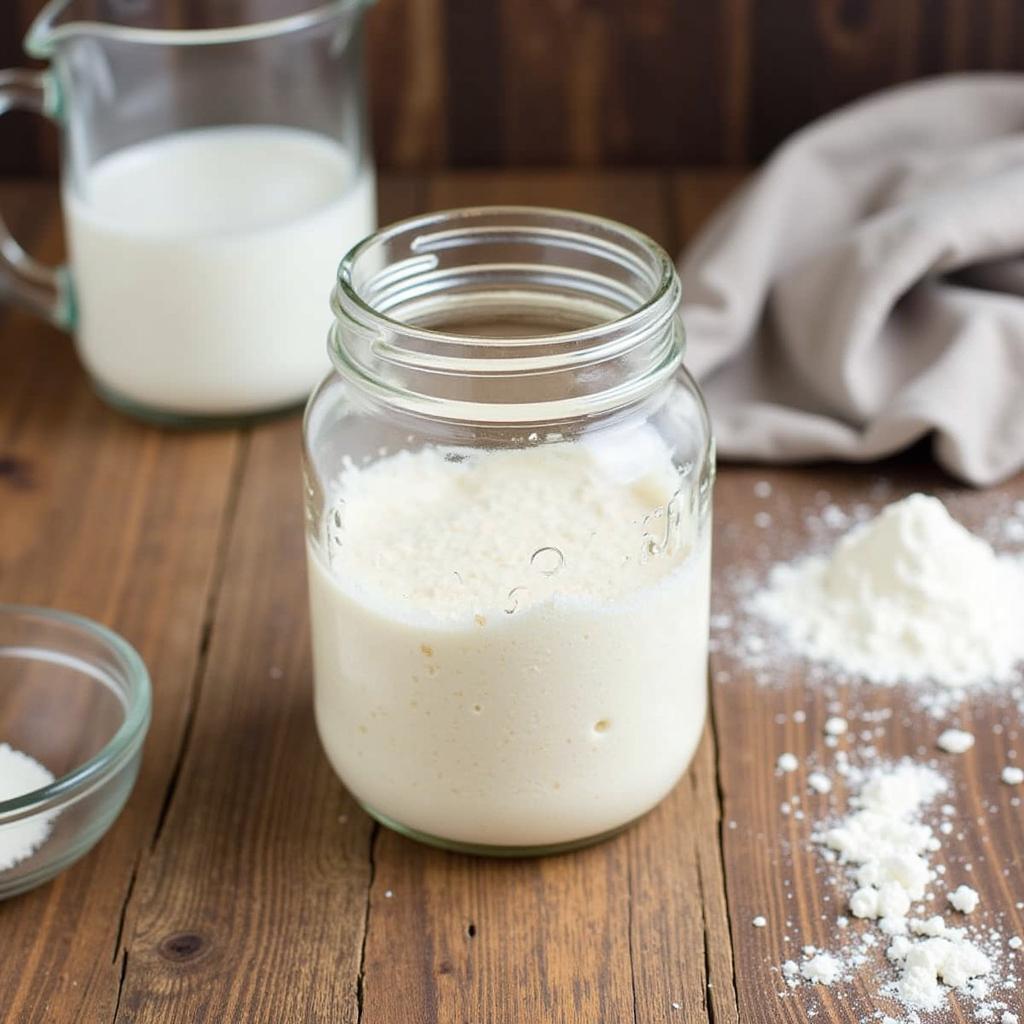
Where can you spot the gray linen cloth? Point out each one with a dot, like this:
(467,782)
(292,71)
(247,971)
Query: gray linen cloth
(867,286)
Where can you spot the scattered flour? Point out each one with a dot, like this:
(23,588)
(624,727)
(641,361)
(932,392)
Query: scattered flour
(883,843)
(759,921)
(955,741)
(929,964)
(886,842)
(819,782)
(964,899)
(908,596)
(20,774)
(1012,775)
(822,969)
(788,762)
(836,726)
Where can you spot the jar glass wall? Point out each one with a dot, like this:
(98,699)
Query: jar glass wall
(508,497)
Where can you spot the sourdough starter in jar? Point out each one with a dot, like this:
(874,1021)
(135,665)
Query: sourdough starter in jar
(511,646)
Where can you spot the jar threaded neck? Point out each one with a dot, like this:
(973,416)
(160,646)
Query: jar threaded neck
(507,314)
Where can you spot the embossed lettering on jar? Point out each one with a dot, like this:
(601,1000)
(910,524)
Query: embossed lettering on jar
(508,496)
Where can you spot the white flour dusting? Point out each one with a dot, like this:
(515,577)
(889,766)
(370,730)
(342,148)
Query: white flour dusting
(955,741)
(964,899)
(908,596)
(822,969)
(883,845)
(20,774)
(886,843)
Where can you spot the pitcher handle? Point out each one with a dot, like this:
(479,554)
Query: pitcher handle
(44,290)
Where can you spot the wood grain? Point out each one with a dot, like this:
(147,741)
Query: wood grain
(845,50)
(122,523)
(252,904)
(406,48)
(696,195)
(639,198)
(682,54)
(585,83)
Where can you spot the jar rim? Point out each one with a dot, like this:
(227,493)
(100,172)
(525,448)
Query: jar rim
(615,290)
(667,283)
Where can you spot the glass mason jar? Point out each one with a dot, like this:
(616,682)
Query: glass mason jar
(508,496)
(211,172)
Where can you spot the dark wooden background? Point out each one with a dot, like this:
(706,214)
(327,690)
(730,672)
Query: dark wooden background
(459,83)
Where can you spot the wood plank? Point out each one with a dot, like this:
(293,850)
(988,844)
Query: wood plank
(638,198)
(407,58)
(846,50)
(252,905)
(120,522)
(697,195)
(541,45)
(672,68)
(617,932)
(474,83)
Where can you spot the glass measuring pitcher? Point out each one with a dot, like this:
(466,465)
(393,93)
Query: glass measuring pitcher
(212,175)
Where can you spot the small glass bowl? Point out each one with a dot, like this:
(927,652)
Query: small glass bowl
(75,697)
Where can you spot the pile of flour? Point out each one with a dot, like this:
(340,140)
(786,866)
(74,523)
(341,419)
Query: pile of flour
(906,597)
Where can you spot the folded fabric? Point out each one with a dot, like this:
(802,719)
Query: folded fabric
(866,288)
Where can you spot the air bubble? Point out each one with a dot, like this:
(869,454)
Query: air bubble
(335,531)
(515,596)
(547,561)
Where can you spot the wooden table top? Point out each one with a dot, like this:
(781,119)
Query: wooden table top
(243,884)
